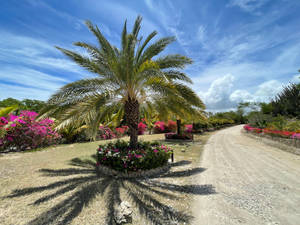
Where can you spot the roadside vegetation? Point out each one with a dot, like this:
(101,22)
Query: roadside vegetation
(280,117)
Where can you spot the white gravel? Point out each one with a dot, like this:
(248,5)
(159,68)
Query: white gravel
(255,183)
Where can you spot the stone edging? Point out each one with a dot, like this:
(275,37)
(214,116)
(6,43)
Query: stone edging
(146,173)
(277,142)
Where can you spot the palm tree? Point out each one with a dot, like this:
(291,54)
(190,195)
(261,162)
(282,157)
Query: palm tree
(128,77)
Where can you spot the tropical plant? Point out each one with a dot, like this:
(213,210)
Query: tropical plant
(7,110)
(128,77)
(287,103)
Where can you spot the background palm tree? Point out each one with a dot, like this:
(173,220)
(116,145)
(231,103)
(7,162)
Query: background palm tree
(128,77)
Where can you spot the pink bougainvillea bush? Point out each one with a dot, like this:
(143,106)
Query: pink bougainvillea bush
(24,132)
(142,128)
(296,136)
(159,127)
(121,131)
(277,133)
(119,156)
(188,128)
(105,133)
(171,126)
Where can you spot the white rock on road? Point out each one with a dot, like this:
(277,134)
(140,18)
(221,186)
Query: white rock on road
(255,183)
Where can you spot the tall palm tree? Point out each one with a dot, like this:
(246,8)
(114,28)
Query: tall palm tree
(128,77)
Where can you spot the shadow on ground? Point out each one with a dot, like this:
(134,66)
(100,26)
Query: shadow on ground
(89,184)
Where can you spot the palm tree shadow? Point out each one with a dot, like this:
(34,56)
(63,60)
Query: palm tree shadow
(85,183)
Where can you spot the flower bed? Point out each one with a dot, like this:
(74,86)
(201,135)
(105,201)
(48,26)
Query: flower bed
(175,136)
(275,133)
(288,138)
(118,156)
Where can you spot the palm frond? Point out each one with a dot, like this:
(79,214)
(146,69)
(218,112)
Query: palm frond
(173,61)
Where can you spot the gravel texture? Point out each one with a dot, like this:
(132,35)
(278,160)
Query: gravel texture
(255,183)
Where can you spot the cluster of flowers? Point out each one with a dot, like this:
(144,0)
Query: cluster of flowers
(121,131)
(121,157)
(24,132)
(170,127)
(159,127)
(278,133)
(142,128)
(106,133)
(188,128)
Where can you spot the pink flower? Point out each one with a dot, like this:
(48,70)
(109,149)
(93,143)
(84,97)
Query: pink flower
(155,150)
(138,156)
(188,128)
(12,117)
(13,125)
(21,121)
(10,138)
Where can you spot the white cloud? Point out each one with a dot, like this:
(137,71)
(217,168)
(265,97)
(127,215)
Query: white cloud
(8,91)
(23,76)
(240,96)
(149,3)
(296,79)
(268,90)
(217,96)
(201,33)
(221,95)
(77,23)
(248,5)
(18,49)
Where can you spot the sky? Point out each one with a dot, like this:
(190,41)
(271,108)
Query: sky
(243,50)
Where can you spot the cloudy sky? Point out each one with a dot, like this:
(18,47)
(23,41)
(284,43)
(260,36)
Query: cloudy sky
(243,50)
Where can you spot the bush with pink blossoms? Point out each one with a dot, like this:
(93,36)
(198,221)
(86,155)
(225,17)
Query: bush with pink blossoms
(296,136)
(141,128)
(24,132)
(159,127)
(121,131)
(105,133)
(171,126)
(188,128)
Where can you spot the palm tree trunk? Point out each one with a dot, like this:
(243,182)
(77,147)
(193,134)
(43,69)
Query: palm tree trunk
(132,115)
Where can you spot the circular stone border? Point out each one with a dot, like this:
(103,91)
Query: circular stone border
(146,173)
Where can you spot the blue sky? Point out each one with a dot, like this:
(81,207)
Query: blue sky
(243,50)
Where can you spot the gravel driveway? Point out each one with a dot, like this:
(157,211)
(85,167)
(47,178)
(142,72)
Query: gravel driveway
(255,183)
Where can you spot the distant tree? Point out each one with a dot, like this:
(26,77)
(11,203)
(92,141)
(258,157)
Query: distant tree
(287,102)
(266,108)
(26,104)
(32,105)
(9,102)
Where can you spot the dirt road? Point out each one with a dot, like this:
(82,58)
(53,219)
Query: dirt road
(255,183)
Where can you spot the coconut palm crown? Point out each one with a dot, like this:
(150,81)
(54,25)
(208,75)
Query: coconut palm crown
(129,78)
